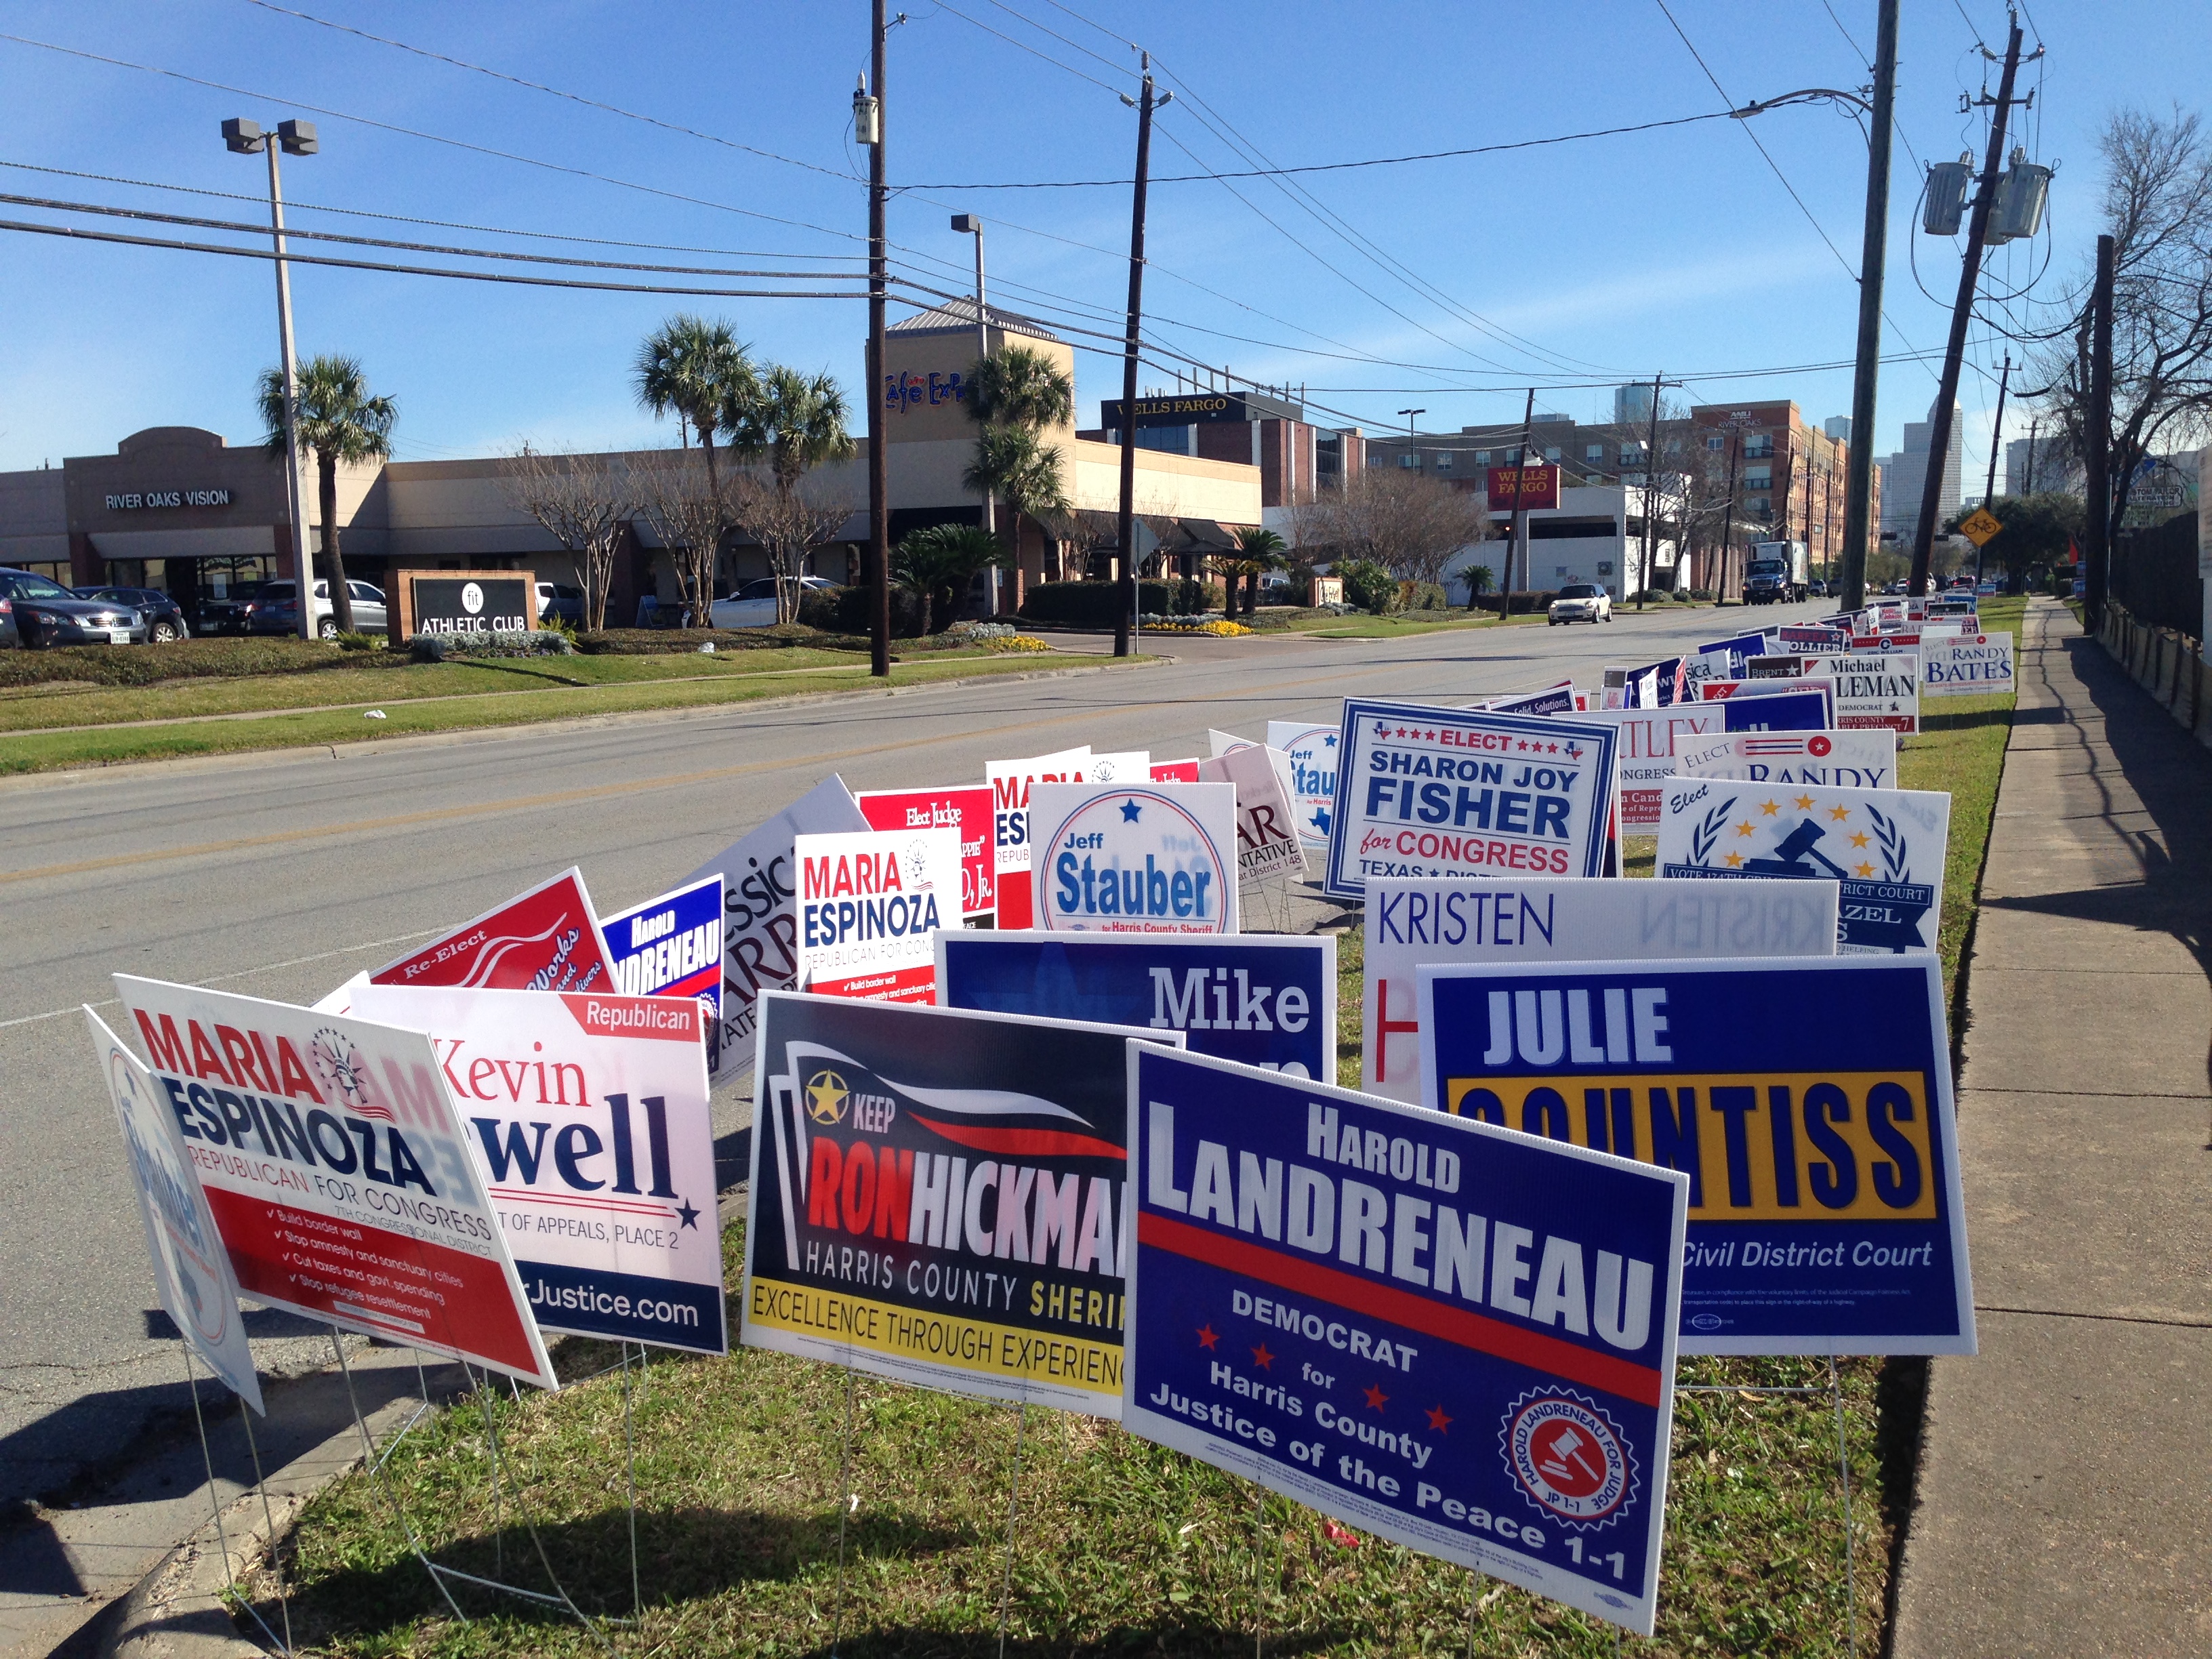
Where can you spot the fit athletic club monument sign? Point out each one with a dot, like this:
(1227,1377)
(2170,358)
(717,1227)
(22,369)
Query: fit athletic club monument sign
(462,602)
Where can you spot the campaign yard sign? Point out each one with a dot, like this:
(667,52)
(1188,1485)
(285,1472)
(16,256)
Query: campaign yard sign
(1822,1155)
(760,916)
(1560,919)
(588,1119)
(1458,1339)
(1266,833)
(1800,641)
(545,940)
(1864,759)
(1872,691)
(966,810)
(867,904)
(1265,1000)
(1011,782)
(335,1166)
(938,1197)
(1650,739)
(1157,858)
(1175,771)
(1312,750)
(1966,665)
(1551,700)
(672,946)
(1453,792)
(192,1270)
(1793,705)
(1132,766)
(1883,848)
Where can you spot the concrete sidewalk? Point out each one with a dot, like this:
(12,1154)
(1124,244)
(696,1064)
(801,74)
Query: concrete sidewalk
(2064,1505)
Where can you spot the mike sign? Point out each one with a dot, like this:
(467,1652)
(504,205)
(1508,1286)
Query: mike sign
(1452,792)
(587,1116)
(1145,858)
(1458,1339)
(1822,1157)
(337,1172)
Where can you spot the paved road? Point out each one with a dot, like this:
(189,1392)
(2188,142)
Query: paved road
(280,875)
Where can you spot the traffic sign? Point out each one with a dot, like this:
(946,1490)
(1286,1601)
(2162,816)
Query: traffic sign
(1979,525)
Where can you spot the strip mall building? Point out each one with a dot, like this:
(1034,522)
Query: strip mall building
(180,508)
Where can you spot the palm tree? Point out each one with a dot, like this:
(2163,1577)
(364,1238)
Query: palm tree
(794,422)
(1257,552)
(337,419)
(939,562)
(695,368)
(1016,398)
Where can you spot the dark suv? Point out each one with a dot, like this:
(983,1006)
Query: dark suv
(164,620)
(36,610)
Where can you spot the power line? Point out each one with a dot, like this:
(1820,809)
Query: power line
(1118,68)
(1022,46)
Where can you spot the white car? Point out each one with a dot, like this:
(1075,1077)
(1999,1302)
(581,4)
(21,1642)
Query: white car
(753,605)
(1581,602)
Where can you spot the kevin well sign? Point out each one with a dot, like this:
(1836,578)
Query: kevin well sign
(1456,1338)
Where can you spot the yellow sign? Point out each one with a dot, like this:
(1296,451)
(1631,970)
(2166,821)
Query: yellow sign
(1979,525)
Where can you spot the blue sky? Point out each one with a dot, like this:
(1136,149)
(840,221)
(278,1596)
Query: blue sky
(1447,284)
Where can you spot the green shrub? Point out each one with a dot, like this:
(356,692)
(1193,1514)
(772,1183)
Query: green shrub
(909,611)
(674,641)
(507,642)
(359,642)
(1367,585)
(1421,596)
(222,658)
(1524,603)
(1093,604)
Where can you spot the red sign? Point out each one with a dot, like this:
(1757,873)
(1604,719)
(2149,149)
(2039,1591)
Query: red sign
(965,809)
(1180,771)
(545,940)
(1523,489)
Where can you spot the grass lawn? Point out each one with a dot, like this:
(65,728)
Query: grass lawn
(428,697)
(1122,1546)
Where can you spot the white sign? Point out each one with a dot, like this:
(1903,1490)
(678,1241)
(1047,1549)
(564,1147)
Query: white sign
(1649,740)
(1885,848)
(1970,664)
(587,1118)
(1146,858)
(1011,782)
(1131,766)
(1871,689)
(1312,750)
(335,1166)
(1223,743)
(1563,919)
(191,1269)
(1266,833)
(867,904)
(1849,760)
(760,924)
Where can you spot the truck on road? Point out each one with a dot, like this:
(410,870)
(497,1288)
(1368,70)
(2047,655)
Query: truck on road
(1777,572)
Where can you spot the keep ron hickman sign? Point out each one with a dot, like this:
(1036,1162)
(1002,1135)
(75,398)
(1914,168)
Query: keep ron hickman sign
(462,602)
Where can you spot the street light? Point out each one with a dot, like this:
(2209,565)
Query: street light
(1409,414)
(244,137)
(971,224)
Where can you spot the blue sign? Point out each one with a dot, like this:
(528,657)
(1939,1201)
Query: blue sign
(1458,1339)
(1427,791)
(1784,711)
(1743,646)
(1265,1000)
(672,946)
(1825,1214)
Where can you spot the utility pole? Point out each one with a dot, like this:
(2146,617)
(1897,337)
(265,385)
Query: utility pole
(967,222)
(2097,449)
(1728,516)
(1520,542)
(1874,255)
(2027,483)
(1970,275)
(1808,505)
(1126,524)
(1650,496)
(879,573)
(1996,439)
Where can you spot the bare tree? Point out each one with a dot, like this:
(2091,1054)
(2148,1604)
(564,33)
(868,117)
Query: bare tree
(788,520)
(679,501)
(583,502)
(1407,522)
(2158,205)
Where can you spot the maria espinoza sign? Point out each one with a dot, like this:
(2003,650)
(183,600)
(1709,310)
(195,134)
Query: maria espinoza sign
(135,499)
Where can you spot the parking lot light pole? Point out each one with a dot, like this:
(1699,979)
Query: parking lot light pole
(970,224)
(245,137)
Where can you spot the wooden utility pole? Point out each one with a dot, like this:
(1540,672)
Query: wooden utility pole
(1874,255)
(1126,522)
(1962,312)
(1728,515)
(879,573)
(1651,497)
(2097,449)
(1996,440)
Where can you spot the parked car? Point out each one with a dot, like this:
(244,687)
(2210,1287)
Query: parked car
(228,614)
(753,605)
(165,621)
(275,609)
(1581,602)
(561,602)
(36,611)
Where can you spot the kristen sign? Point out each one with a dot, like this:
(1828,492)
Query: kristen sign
(1156,858)
(1523,489)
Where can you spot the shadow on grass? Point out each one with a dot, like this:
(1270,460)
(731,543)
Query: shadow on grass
(920,1641)
(1967,720)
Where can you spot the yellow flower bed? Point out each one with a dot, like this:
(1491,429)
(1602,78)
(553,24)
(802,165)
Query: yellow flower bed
(1019,642)
(1215,630)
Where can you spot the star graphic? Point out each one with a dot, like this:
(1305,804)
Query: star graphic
(1743,829)
(1552,749)
(1376,1398)
(1804,803)
(1207,1336)
(1129,812)
(1439,1421)
(1734,860)
(689,1216)
(1859,839)
(1262,1359)
(1864,870)
(1401,731)
(1329,742)
(1770,809)
(1523,746)
(1840,814)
